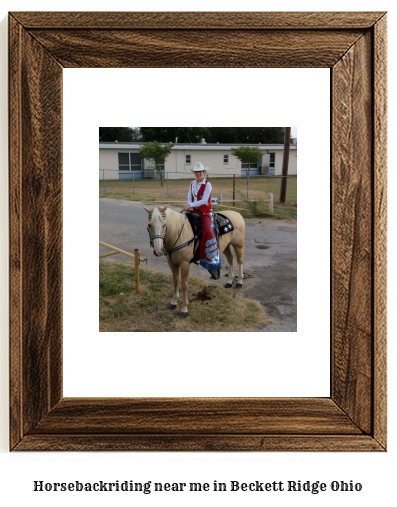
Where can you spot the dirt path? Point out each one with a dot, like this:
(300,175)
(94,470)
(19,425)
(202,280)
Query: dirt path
(270,259)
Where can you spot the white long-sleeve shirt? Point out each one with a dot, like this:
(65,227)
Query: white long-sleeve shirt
(193,192)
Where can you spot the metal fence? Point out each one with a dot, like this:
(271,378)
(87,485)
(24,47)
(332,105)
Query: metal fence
(227,190)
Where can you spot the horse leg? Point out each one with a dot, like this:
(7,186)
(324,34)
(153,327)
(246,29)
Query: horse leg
(184,282)
(175,277)
(229,256)
(240,264)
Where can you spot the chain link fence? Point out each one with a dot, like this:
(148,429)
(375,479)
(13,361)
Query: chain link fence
(229,191)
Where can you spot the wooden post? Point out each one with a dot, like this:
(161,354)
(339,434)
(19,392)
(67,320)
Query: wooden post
(120,251)
(287,140)
(234,188)
(271,203)
(136,259)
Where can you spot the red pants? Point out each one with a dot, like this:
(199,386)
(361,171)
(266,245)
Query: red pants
(209,254)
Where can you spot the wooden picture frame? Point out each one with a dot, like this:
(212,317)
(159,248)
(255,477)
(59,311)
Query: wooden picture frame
(353,46)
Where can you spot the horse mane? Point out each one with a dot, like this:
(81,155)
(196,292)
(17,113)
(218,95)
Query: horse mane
(175,222)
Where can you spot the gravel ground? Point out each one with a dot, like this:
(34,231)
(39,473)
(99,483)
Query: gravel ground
(270,271)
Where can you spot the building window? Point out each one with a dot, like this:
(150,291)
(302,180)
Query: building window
(225,159)
(129,162)
(272,163)
(124,161)
(188,159)
(135,162)
(248,166)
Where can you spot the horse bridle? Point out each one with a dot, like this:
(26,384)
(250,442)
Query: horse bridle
(156,236)
(168,251)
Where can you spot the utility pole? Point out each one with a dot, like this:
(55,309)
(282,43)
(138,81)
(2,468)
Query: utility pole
(287,140)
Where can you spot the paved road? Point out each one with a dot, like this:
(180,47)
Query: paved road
(270,257)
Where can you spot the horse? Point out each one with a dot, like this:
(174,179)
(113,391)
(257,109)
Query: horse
(171,233)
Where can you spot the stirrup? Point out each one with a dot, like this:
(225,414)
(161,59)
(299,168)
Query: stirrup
(215,273)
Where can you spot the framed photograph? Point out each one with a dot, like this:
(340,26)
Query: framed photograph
(353,46)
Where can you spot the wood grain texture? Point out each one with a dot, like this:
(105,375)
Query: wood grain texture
(301,416)
(380,229)
(352,232)
(36,230)
(15,227)
(200,20)
(196,48)
(353,45)
(42,230)
(199,443)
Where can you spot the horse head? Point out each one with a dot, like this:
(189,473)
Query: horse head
(157,229)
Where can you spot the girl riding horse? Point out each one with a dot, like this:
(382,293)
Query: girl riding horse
(199,201)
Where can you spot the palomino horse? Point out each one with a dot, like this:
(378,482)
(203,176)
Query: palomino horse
(170,233)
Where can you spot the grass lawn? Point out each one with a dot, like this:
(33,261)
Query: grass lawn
(150,191)
(120,309)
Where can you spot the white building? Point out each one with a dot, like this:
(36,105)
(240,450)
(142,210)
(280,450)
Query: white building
(121,161)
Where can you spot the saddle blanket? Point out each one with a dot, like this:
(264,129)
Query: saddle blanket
(223,224)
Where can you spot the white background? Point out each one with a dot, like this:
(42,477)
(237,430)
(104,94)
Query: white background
(125,364)
(374,471)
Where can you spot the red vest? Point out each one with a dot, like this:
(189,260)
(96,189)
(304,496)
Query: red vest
(204,208)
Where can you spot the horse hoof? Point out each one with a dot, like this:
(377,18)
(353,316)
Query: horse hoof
(183,315)
(228,285)
(172,307)
(239,285)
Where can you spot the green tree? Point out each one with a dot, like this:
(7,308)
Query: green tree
(120,134)
(247,155)
(246,135)
(169,134)
(136,134)
(157,154)
(235,135)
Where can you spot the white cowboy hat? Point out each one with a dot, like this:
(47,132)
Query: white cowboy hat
(199,167)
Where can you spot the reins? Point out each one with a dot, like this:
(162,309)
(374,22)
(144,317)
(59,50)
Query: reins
(168,251)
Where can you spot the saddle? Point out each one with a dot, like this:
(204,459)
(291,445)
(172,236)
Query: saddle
(222,226)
